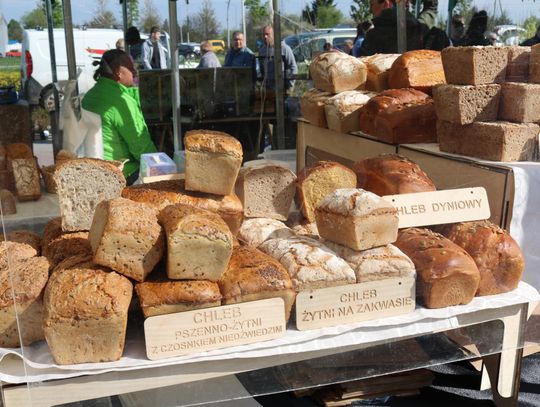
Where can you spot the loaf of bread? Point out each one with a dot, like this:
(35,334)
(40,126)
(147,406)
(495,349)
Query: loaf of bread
(343,110)
(21,305)
(309,263)
(67,245)
(164,193)
(520,102)
(199,243)
(375,264)
(7,181)
(24,236)
(466,104)
(213,160)
(495,141)
(7,201)
(126,236)
(357,219)
(266,191)
(51,230)
(26,175)
(312,106)
(474,65)
(336,72)
(80,261)
(306,229)
(391,174)
(517,69)
(446,274)
(400,116)
(253,275)
(85,315)
(496,254)
(16,151)
(166,297)
(419,69)
(81,185)
(256,231)
(318,180)
(378,66)
(13,251)
(534,64)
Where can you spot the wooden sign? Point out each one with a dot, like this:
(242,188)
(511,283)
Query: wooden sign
(438,207)
(354,303)
(213,328)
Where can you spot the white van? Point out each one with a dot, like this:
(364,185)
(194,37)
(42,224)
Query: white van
(36,74)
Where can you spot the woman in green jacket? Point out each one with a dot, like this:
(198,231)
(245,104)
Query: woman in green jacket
(116,100)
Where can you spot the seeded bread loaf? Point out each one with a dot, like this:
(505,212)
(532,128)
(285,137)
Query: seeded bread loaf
(391,174)
(446,274)
(67,245)
(336,72)
(266,191)
(520,102)
(253,275)
(24,236)
(80,261)
(167,297)
(517,69)
(496,141)
(164,193)
(474,65)
(199,243)
(13,251)
(312,106)
(496,254)
(343,110)
(534,64)
(85,315)
(378,66)
(419,69)
(126,236)
(256,231)
(26,175)
(21,305)
(466,104)
(213,160)
(51,231)
(375,264)
(317,181)
(357,219)
(7,200)
(81,185)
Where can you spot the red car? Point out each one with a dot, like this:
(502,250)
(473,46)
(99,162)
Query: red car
(13,54)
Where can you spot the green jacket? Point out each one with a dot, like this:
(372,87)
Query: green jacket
(125,134)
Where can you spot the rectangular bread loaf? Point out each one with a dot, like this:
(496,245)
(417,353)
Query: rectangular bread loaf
(517,69)
(463,104)
(312,106)
(343,110)
(534,64)
(377,74)
(520,102)
(475,65)
(27,180)
(336,72)
(418,69)
(495,141)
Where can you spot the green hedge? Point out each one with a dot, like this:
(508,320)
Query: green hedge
(10,78)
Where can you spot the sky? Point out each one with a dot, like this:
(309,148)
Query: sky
(83,10)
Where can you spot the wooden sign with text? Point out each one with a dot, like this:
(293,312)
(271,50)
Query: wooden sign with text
(354,303)
(213,328)
(439,207)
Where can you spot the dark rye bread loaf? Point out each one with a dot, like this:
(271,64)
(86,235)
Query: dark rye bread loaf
(474,65)
(446,274)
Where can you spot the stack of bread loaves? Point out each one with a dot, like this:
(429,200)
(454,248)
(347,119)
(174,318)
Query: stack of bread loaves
(489,110)
(336,99)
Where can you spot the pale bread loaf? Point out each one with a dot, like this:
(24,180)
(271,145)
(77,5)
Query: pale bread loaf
(312,106)
(213,160)
(336,72)
(253,275)
(199,243)
(309,263)
(85,315)
(266,191)
(256,231)
(343,110)
(126,236)
(357,219)
(81,185)
(377,74)
(26,176)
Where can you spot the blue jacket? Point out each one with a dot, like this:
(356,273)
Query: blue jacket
(242,57)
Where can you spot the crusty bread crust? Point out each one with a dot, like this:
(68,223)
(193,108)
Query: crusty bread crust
(419,69)
(212,141)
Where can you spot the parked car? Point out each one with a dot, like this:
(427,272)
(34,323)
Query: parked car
(189,49)
(510,34)
(311,43)
(218,45)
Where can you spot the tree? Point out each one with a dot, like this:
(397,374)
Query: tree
(132,12)
(15,30)
(256,18)
(309,13)
(328,16)
(38,16)
(361,11)
(149,17)
(530,24)
(501,19)
(205,23)
(103,18)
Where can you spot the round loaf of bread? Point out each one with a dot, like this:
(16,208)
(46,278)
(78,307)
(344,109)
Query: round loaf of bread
(496,254)
(24,236)
(67,245)
(391,174)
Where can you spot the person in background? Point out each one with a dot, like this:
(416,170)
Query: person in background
(208,58)
(134,43)
(154,55)
(266,52)
(361,30)
(533,40)
(475,33)
(492,38)
(457,29)
(348,46)
(116,100)
(120,44)
(239,54)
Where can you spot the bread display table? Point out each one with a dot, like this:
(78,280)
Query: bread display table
(491,326)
